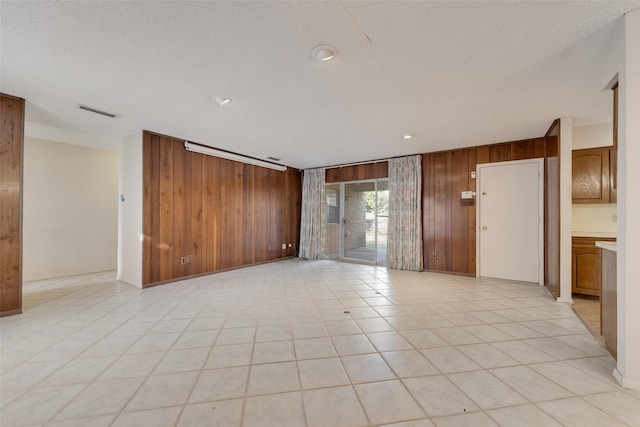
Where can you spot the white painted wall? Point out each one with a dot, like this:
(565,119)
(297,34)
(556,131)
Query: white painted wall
(130,212)
(595,135)
(628,365)
(566,144)
(70,209)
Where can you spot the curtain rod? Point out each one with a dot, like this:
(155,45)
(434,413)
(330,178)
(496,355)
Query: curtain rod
(344,165)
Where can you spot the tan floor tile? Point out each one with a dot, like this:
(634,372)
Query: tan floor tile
(97,421)
(336,407)
(225,356)
(276,410)
(389,341)
(572,378)
(409,363)
(367,368)
(100,398)
(219,384)
(487,356)
(457,336)
(316,373)
(477,419)
(163,417)
(438,396)
(486,390)
(522,416)
(530,384)
(273,351)
(273,378)
(349,345)
(377,324)
(309,330)
(133,365)
(182,360)
(197,338)
(387,402)
(314,348)
(449,359)
(619,404)
(423,338)
(273,333)
(418,423)
(575,412)
(163,390)
(79,371)
(229,336)
(169,330)
(39,405)
(522,352)
(342,327)
(227,413)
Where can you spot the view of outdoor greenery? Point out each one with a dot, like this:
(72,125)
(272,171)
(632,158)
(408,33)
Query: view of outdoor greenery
(383,202)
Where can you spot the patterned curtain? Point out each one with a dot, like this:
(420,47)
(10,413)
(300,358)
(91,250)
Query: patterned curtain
(312,217)
(405,213)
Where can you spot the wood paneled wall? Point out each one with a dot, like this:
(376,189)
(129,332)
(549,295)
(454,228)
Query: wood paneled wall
(357,172)
(449,229)
(224,214)
(11,161)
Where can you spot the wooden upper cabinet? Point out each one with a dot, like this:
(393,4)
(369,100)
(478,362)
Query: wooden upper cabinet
(591,177)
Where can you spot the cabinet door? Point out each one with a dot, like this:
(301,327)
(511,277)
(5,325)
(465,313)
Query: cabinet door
(586,270)
(591,176)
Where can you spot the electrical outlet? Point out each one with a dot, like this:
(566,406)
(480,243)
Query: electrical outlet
(290,245)
(183,260)
(434,256)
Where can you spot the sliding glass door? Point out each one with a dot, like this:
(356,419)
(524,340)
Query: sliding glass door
(356,221)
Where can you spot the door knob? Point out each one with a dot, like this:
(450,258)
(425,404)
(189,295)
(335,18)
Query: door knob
(484,227)
(484,193)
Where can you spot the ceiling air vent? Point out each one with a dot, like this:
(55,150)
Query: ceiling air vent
(93,110)
(273,158)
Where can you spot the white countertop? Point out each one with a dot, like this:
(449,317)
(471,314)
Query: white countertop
(610,246)
(601,234)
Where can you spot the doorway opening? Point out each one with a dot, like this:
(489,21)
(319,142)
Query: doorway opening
(357,215)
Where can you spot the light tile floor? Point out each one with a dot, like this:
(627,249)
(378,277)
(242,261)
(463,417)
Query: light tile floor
(300,343)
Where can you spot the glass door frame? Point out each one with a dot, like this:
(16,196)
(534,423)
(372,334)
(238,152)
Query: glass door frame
(341,222)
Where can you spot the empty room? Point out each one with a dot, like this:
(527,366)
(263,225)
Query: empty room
(319,213)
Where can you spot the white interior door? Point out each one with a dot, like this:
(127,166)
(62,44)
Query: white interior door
(510,219)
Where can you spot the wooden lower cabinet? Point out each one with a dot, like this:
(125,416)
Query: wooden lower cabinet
(586,266)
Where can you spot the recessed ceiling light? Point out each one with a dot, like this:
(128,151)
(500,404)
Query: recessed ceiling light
(323,53)
(407,136)
(222,100)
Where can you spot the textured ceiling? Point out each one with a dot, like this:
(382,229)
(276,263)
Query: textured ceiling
(453,74)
